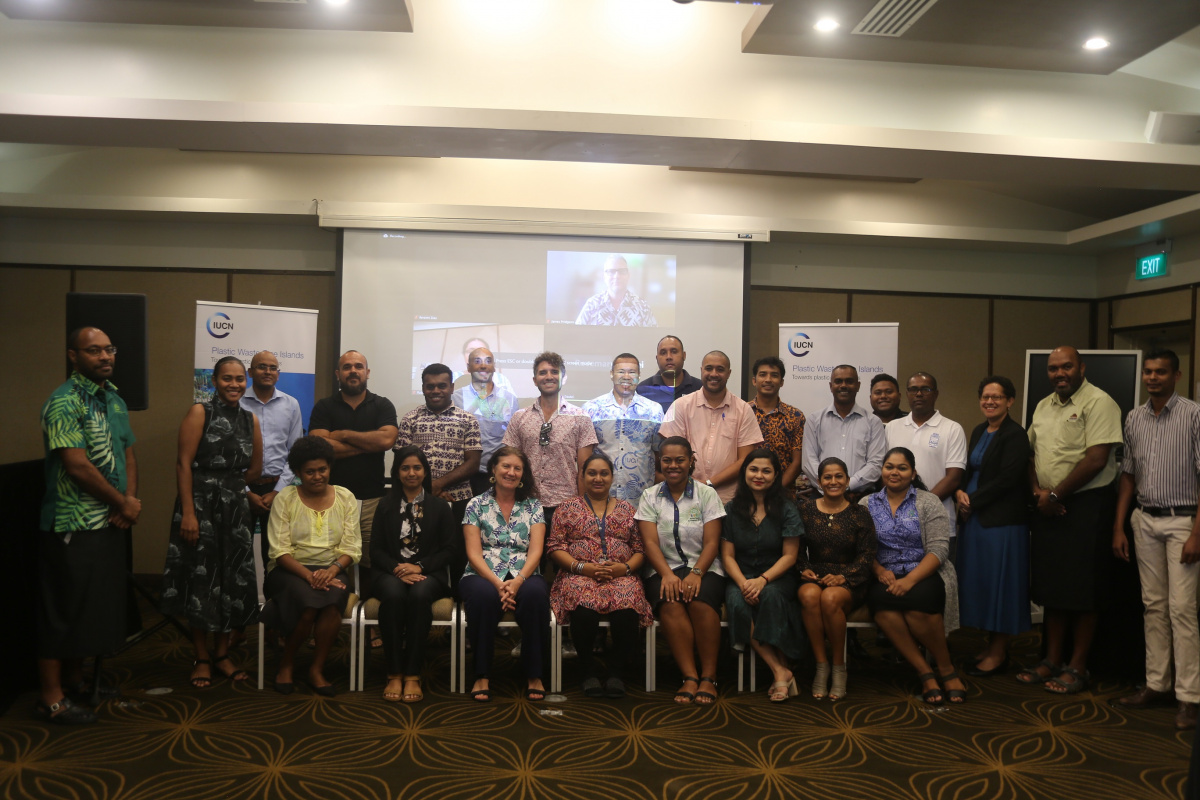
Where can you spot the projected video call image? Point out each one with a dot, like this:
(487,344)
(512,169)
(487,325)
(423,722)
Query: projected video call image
(631,290)
(513,348)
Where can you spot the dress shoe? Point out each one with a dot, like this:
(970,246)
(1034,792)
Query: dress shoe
(1185,718)
(1145,698)
(975,672)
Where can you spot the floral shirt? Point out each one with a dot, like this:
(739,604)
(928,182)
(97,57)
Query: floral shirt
(445,437)
(900,545)
(626,435)
(505,544)
(492,412)
(782,430)
(634,312)
(555,465)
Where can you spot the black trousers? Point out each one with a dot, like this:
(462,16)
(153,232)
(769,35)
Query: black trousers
(482,603)
(405,617)
(585,625)
(258,521)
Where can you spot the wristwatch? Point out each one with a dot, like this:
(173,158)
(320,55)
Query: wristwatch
(696,571)
(1054,497)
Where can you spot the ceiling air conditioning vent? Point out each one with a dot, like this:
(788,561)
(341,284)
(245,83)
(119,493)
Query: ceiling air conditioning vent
(892,17)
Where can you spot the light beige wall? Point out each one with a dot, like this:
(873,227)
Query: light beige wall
(1115,269)
(769,308)
(1153,309)
(1021,325)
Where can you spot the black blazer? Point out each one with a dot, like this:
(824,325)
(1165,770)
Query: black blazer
(1002,497)
(439,540)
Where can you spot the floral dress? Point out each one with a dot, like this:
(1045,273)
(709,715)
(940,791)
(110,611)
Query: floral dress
(578,531)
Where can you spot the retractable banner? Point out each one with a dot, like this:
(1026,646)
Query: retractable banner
(810,352)
(232,329)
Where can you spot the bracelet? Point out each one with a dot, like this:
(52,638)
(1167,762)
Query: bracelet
(337,563)
(577,568)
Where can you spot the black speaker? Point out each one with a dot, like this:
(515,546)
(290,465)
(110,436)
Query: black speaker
(123,318)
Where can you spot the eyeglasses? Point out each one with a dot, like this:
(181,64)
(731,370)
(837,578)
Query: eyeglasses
(268,367)
(996,398)
(920,390)
(626,373)
(544,434)
(608,272)
(96,350)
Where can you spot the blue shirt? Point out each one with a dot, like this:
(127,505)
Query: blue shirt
(281,424)
(860,440)
(626,435)
(900,545)
(492,412)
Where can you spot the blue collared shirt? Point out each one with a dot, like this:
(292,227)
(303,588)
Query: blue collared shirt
(626,435)
(860,440)
(281,425)
(492,412)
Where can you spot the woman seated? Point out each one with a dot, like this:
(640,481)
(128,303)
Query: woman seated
(835,569)
(315,540)
(680,522)
(759,542)
(504,532)
(415,539)
(915,599)
(597,547)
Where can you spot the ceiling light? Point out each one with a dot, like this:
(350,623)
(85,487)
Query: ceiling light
(1095,43)
(826,24)
(336,2)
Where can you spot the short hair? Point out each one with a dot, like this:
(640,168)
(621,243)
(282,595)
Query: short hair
(1006,385)
(1161,353)
(718,353)
(526,488)
(309,448)
(835,461)
(677,441)
(768,361)
(849,367)
(74,336)
(551,358)
(669,336)
(882,378)
(627,357)
(228,360)
(436,369)
(597,455)
(338,364)
(932,379)
(912,462)
(408,451)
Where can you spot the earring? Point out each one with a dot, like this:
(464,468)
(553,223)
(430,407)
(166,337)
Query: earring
(521,485)
(491,479)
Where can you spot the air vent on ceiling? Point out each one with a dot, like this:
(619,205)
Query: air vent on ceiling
(892,17)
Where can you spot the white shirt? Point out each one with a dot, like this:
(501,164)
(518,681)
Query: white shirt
(938,445)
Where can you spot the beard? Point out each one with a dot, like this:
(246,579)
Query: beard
(353,391)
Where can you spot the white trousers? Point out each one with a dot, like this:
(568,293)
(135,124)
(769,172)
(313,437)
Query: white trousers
(1169,595)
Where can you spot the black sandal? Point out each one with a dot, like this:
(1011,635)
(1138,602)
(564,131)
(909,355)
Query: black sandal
(237,676)
(932,697)
(712,698)
(955,696)
(64,712)
(531,692)
(199,681)
(482,695)
(691,696)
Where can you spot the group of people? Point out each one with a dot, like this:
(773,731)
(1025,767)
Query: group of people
(667,498)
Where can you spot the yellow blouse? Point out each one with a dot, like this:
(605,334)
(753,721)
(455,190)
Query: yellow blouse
(314,538)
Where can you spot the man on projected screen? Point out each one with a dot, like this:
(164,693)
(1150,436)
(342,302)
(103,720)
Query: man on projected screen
(848,431)
(671,382)
(616,305)
(626,424)
(492,406)
(497,379)
(721,427)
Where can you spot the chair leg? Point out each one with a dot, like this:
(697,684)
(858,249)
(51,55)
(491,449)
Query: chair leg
(454,654)
(461,632)
(741,659)
(753,670)
(353,650)
(262,638)
(651,652)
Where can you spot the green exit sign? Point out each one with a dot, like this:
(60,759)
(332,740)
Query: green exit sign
(1154,266)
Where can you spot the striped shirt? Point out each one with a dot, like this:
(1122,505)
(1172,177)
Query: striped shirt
(1162,453)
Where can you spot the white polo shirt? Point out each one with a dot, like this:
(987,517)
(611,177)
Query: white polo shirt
(938,445)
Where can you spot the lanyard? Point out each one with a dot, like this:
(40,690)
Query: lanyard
(600,523)
(675,531)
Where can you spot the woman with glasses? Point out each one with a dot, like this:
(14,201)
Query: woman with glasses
(209,575)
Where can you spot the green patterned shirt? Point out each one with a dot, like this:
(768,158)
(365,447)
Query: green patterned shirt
(82,414)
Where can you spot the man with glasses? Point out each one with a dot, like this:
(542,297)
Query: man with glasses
(492,406)
(939,444)
(90,502)
(616,305)
(281,424)
(626,424)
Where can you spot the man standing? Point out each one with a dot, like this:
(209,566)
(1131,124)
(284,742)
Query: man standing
(782,425)
(720,426)
(448,436)
(885,398)
(361,426)
(845,429)
(1162,461)
(490,404)
(1071,474)
(91,499)
(555,436)
(626,424)
(616,305)
(939,444)
(672,381)
(281,424)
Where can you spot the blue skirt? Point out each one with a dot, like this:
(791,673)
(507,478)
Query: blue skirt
(993,577)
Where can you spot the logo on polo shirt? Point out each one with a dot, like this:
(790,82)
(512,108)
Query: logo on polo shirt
(219,321)
(933,440)
(800,345)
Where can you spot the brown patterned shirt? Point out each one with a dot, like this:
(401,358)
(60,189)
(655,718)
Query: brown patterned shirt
(782,430)
(445,437)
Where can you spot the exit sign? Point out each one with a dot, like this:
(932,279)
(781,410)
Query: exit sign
(1154,266)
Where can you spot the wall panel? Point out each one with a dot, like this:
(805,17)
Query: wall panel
(1129,312)
(1022,325)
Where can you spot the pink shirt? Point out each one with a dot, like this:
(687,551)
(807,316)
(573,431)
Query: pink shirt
(715,433)
(556,465)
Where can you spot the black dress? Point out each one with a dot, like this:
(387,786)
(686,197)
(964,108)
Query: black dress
(839,544)
(212,582)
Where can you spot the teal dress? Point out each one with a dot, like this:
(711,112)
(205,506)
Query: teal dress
(776,618)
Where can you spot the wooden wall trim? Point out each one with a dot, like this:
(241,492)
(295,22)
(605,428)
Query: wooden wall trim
(991,345)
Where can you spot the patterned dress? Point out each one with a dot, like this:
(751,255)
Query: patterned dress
(839,544)
(577,530)
(212,582)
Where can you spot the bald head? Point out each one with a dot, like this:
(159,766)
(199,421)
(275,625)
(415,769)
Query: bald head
(481,365)
(264,371)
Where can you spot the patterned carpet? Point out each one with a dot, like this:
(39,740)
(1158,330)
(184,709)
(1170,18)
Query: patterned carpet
(232,741)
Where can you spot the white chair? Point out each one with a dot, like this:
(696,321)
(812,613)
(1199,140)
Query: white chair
(507,620)
(349,617)
(652,665)
(556,656)
(446,614)
(859,618)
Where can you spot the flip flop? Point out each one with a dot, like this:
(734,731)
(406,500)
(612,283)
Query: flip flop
(535,695)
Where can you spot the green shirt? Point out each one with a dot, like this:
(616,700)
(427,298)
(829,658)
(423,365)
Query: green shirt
(82,414)
(1062,431)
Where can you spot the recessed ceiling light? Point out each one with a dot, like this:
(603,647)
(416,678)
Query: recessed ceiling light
(826,24)
(1095,43)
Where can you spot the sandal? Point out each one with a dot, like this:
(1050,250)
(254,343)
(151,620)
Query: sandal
(202,681)
(1030,675)
(931,697)
(376,639)
(820,684)
(535,695)
(1074,687)
(689,697)
(237,675)
(780,691)
(394,696)
(955,696)
(837,687)
(592,687)
(614,687)
(64,712)
(413,697)
(709,697)
(482,695)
